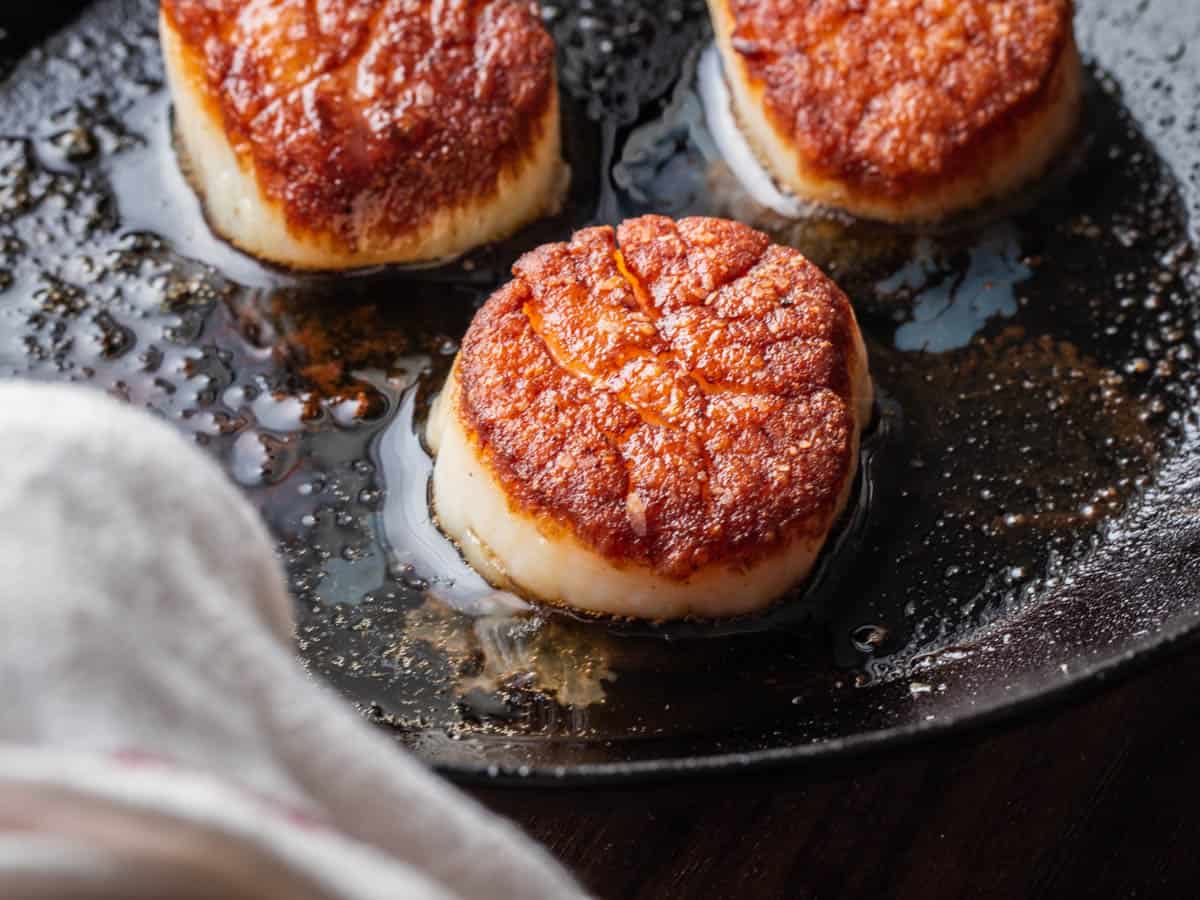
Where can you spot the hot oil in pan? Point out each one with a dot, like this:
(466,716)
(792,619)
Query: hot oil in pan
(1041,362)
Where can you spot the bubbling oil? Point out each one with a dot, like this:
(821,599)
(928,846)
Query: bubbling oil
(1041,360)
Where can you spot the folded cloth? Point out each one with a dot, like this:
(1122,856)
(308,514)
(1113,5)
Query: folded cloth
(158,736)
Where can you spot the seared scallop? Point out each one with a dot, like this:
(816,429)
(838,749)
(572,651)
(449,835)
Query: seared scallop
(338,135)
(901,110)
(657,422)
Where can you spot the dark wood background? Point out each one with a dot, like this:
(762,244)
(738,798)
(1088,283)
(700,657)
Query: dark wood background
(1095,799)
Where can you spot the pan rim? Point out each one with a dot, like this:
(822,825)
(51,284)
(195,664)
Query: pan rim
(1079,684)
(1110,667)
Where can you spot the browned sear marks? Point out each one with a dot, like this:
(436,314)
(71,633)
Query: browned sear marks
(338,102)
(684,401)
(894,95)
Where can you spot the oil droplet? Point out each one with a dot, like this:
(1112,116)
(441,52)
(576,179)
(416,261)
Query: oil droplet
(869,638)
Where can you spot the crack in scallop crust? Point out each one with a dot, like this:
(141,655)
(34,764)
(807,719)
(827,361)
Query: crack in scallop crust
(674,396)
(891,100)
(363,120)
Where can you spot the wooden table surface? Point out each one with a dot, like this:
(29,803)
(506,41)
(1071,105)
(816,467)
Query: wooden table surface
(1094,799)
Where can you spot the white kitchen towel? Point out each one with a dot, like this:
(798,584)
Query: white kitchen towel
(158,737)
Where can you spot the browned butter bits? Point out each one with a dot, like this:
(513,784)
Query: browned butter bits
(349,133)
(901,110)
(657,422)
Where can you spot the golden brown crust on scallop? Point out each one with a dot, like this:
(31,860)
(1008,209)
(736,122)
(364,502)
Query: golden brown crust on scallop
(894,96)
(372,111)
(683,401)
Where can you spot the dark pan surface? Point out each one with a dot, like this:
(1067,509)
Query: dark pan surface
(1029,513)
